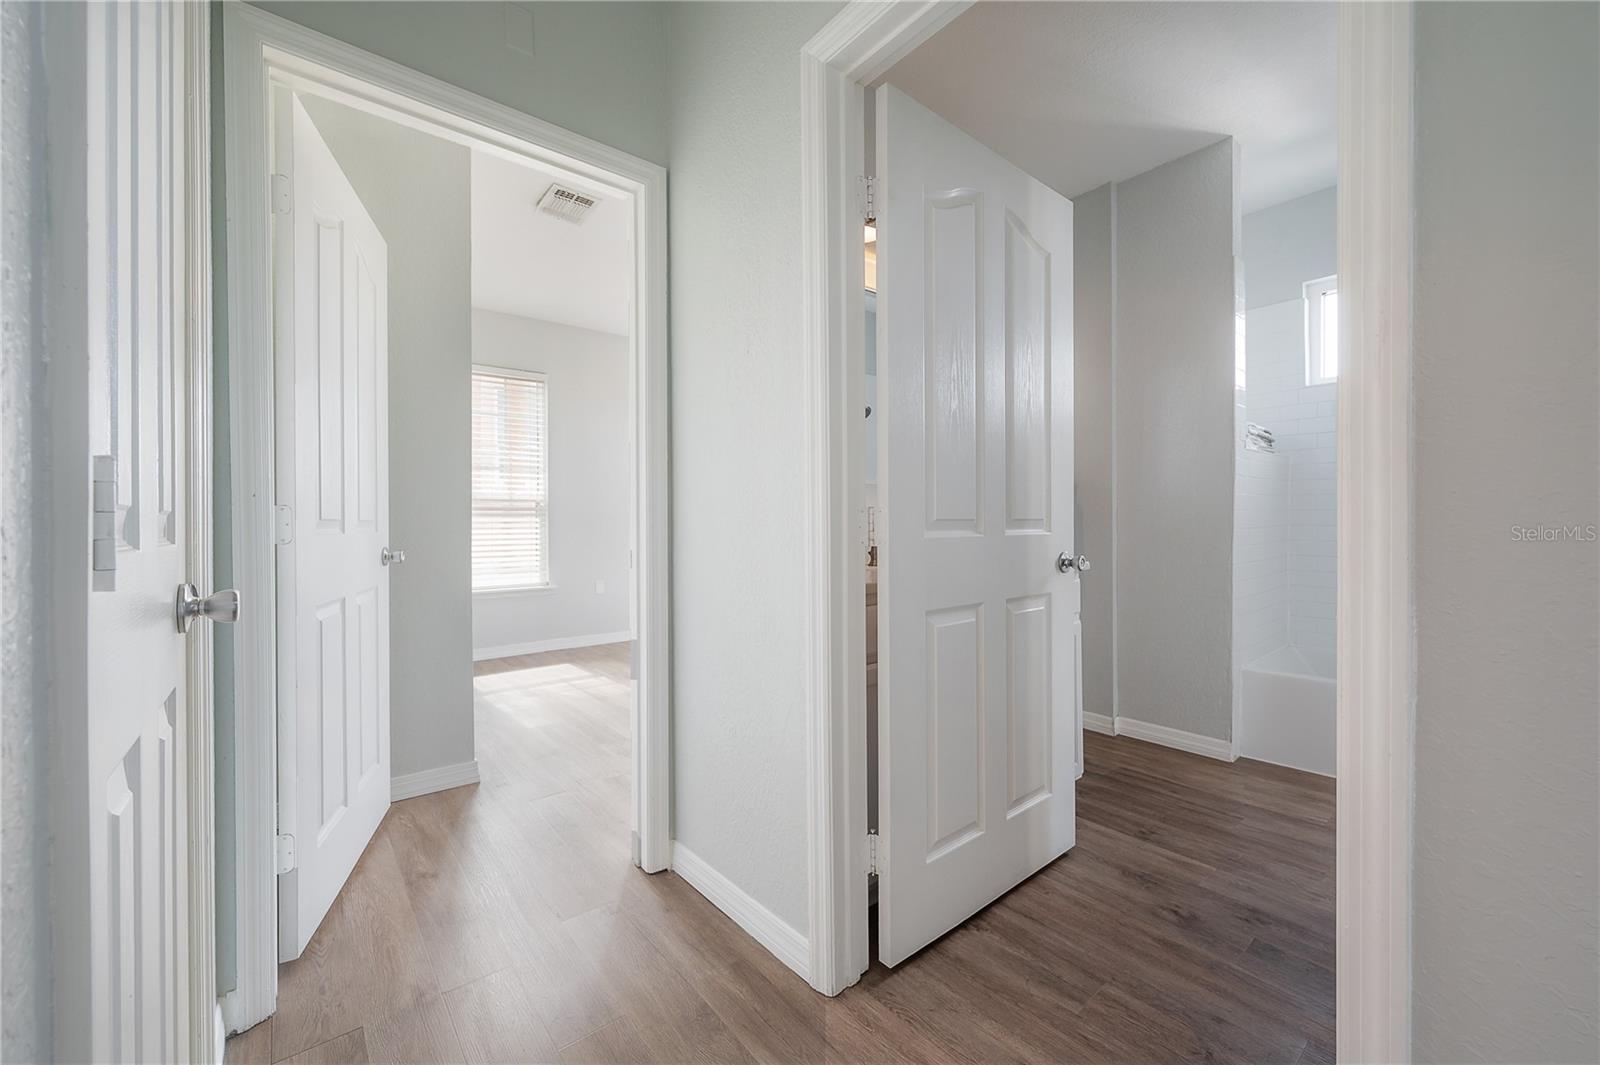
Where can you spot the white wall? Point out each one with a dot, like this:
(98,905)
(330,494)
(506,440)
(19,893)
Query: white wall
(1506,887)
(1293,488)
(738,445)
(1094,302)
(1176,237)
(417,190)
(591,471)
(1287,245)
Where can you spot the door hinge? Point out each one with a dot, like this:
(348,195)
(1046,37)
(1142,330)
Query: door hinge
(284,533)
(872,854)
(285,854)
(282,194)
(867,197)
(103,493)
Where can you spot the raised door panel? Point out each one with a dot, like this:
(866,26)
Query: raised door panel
(367,330)
(332,720)
(954,381)
(1028,704)
(329,313)
(1027,368)
(117,961)
(956,774)
(366,748)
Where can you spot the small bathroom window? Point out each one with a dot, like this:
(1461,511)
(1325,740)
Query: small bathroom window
(1322,331)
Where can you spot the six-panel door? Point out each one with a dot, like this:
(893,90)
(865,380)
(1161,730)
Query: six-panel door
(333,590)
(131,818)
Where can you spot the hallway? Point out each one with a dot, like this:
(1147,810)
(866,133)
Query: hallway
(505,923)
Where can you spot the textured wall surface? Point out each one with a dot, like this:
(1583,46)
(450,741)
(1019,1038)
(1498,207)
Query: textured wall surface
(1175,244)
(25,970)
(1507,398)
(596,69)
(417,189)
(1093,300)
(738,445)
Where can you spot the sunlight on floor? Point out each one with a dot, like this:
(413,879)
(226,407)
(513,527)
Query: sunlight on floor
(532,677)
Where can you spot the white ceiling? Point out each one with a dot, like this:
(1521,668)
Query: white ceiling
(529,263)
(1079,94)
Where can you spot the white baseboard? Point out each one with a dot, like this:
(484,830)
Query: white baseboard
(410,785)
(1175,738)
(1098,723)
(222,1033)
(785,942)
(562,643)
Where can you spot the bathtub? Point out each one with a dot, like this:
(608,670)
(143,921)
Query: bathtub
(1287,712)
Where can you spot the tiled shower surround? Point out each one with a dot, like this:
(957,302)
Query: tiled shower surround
(1284,580)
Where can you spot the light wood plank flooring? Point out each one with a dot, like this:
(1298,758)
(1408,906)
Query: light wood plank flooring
(504,923)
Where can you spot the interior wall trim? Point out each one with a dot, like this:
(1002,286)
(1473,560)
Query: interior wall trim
(1375,626)
(787,943)
(1100,723)
(1177,739)
(428,781)
(559,643)
(857,45)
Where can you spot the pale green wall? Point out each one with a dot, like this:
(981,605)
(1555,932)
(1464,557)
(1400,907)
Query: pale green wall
(599,69)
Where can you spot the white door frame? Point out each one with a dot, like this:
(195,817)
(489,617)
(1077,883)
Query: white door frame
(258,48)
(207,1034)
(1376,657)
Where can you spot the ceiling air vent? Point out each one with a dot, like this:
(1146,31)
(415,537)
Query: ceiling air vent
(566,203)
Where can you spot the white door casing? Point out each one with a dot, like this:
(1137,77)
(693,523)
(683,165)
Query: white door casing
(979,739)
(332,371)
(128,801)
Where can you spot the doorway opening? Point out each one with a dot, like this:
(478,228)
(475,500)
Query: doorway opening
(465,372)
(853,56)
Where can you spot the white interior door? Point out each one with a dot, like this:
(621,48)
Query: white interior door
(331,353)
(125,821)
(978,731)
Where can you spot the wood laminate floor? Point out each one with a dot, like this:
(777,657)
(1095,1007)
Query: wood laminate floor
(504,922)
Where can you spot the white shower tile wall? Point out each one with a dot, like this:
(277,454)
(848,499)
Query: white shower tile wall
(1300,492)
(1261,549)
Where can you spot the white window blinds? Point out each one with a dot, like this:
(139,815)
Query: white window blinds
(510,480)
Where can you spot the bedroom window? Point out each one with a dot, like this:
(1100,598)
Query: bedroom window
(510,480)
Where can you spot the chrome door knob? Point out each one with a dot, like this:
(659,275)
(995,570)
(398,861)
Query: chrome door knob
(390,557)
(1066,563)
(220,606)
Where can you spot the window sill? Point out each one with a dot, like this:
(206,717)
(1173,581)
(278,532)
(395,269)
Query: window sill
(501,593)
